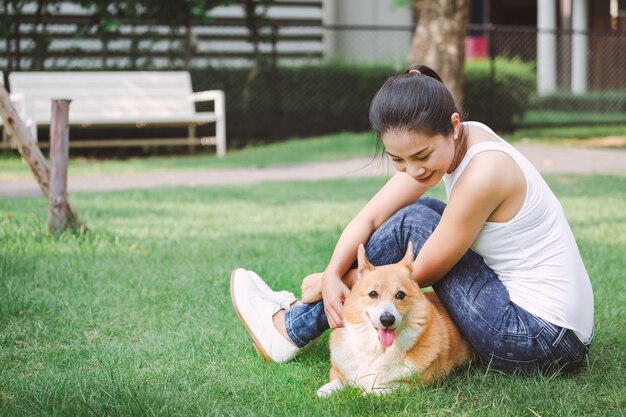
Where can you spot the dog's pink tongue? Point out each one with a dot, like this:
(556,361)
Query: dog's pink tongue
(386,336)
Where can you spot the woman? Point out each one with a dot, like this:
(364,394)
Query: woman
(500,255)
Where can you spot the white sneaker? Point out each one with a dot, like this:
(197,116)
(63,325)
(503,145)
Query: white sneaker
(284,298)
(255,307)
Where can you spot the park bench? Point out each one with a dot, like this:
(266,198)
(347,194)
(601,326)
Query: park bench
(121,99)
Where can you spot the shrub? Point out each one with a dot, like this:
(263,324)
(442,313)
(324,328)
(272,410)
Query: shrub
(294,101)
(503,101)
(285,102)
(609,101)
(314,100)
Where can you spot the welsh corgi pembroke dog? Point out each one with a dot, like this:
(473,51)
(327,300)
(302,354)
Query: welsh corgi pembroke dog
(394,334)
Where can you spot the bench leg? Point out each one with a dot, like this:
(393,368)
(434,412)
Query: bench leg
(191,134)
(33,131)
(220,136)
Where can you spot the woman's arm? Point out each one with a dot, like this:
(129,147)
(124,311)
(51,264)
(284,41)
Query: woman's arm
(398,192)
(488,181)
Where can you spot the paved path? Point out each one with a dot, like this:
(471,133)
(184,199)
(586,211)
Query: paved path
(548,159)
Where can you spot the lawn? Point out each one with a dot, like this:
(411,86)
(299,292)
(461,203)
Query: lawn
(593,135)
(134,318)
(325,148)
(555,117)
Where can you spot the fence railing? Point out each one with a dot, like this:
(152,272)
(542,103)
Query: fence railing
(71,41)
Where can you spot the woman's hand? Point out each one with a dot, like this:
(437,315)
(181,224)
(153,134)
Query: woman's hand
(334,293)
(312,288)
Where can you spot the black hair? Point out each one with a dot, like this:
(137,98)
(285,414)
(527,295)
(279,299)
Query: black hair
(416,100)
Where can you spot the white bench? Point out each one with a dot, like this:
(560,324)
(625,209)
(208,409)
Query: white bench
(121,99)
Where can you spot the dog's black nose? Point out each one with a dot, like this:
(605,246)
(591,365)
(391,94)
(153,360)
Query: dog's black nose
(387,319)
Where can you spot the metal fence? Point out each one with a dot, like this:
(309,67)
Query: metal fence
(511,52)
(589,85)
(503,54)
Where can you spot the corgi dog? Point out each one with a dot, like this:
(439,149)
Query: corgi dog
(394,334)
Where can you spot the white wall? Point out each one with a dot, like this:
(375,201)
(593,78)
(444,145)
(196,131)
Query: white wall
(367,45)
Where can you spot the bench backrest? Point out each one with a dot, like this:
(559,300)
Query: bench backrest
(106,96)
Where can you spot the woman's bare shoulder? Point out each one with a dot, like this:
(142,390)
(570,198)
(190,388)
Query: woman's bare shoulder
(494,167)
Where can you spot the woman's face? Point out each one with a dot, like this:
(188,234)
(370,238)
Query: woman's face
(424,158)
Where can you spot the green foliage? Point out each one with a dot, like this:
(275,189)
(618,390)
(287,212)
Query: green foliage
(320,99)
(613,101)
(557,134)
(106,20)
(497,92)
(545,117)
(111,14)
(294,101)
(403,3)
(178,12)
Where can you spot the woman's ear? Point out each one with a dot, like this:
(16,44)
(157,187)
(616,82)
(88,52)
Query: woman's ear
(455,119)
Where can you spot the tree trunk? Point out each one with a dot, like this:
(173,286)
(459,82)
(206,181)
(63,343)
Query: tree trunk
(26,145)
(439,40)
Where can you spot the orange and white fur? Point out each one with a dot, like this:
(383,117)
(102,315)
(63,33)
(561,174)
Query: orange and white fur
(394,334)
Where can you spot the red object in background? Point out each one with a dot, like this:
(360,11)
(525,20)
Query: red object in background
(476,47)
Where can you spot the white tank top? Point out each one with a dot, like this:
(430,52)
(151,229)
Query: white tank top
(534,254)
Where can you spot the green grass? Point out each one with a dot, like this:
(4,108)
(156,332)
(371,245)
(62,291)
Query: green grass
(543,117)
(557,134)
(134,318)
(326,148)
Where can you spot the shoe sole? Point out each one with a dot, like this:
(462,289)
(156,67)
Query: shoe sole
(255,342)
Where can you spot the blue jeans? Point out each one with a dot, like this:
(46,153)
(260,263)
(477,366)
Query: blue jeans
(504,335)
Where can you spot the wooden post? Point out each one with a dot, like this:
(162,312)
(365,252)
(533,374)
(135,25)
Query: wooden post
(31,153)
(59,153)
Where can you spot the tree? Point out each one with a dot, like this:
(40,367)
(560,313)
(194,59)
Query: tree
(256,18)
(179,16)
(108,17)
(439,40)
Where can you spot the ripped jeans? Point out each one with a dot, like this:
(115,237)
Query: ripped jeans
(504,335)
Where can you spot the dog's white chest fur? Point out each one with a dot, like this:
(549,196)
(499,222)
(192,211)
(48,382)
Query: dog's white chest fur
(366,364)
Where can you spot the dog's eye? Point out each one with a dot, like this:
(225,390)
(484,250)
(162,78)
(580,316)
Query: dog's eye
(373,294)
(400,295)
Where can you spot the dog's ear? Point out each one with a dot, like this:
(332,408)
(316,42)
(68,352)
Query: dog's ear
(408,257)
(364,263)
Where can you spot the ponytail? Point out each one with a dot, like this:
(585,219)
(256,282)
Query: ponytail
(424,70)
(416,100)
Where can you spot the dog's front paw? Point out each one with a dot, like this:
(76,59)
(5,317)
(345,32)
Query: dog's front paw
(327,390)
